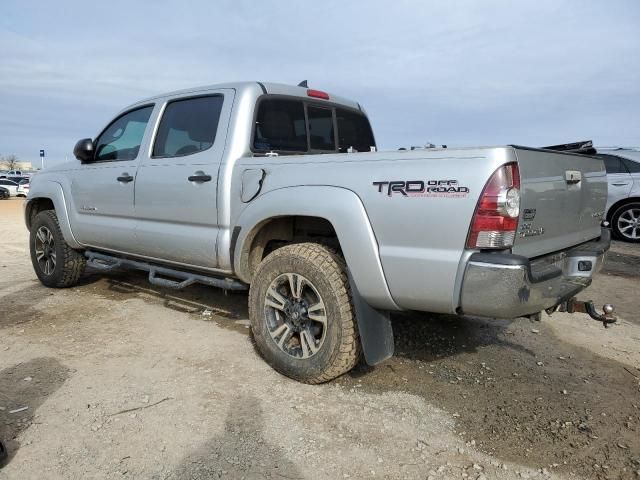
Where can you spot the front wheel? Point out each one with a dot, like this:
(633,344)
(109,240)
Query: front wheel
(56,264)
(626,222)
(302,319)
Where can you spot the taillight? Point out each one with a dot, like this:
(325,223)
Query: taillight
(495,220)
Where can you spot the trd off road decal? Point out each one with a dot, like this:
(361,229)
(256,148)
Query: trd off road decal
(422,188)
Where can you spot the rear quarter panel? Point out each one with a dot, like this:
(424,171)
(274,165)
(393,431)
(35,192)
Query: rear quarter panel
(420,235)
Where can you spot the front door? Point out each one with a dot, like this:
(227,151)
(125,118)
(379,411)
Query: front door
(175,197)
(102,191)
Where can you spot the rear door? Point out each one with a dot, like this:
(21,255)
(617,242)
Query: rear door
(102,190)
(563,200)
(619,179)
(633,165)
(176,186)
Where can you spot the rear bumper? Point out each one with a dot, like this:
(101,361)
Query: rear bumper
(509,286)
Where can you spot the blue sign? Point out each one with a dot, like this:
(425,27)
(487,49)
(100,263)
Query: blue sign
(42,153)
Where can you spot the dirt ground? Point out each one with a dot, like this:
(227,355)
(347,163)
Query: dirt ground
(119,379)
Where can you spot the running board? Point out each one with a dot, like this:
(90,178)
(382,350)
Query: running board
(106,263)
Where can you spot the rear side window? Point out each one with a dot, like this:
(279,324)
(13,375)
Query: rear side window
(281,126)
(188,126)
(121,140)
(321,131)
(613,164)
(354,131)
(633,167)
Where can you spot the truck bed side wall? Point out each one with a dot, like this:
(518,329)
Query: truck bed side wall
(420,236)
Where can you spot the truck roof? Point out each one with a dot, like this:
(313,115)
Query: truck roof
(259,88)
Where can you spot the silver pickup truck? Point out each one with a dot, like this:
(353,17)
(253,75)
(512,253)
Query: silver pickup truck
(280,190)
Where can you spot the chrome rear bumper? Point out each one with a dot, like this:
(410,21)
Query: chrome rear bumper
(509,286)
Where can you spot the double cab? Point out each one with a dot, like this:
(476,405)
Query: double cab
(281,190)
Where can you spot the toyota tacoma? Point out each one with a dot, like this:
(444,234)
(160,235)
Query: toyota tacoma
(281,190)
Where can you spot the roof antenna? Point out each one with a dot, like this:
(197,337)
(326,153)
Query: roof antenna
(304,84)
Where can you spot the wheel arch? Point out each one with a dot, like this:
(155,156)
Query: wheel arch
(611,217)
(276,231)
(336,212)
(50,196)
(35,206)
(620,203)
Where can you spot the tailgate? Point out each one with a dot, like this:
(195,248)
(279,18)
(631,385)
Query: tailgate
(563,198)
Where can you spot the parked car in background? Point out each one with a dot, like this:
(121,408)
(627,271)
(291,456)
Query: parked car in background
(23,188)
(15,175)
(623,200)
(4,193)
(9,185)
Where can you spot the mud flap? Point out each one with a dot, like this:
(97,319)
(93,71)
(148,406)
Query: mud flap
(374,326)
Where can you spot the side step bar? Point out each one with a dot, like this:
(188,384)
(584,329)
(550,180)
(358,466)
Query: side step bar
(106,263)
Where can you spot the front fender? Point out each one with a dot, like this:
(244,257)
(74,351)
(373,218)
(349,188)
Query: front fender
(52,191)
(344,210)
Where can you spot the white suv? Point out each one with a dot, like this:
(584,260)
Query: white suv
(623,201)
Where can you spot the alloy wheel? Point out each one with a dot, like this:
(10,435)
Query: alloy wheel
(296,315)
(629,223)
(45,249)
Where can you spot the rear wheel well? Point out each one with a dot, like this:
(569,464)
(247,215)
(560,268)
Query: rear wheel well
(36,206)
(620,203)
(277,232)
(620,232)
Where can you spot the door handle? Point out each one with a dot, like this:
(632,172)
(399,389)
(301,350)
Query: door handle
(125,178)
(200,178)
(619,184)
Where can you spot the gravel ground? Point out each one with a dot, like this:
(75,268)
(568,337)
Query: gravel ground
(124,380)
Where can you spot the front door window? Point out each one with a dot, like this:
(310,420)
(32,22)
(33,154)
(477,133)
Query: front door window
(122,139)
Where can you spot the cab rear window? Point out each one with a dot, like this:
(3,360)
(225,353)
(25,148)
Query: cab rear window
(281,126)
(354,131)
(289,125)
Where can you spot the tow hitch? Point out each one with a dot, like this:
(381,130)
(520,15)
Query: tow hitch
(577,306)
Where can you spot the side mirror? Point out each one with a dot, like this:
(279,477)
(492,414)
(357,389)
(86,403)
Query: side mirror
(83,150)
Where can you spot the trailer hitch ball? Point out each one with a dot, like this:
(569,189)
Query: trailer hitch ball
(577,306)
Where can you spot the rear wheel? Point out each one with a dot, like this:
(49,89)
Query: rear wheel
(626,222)
(56,264)
(301,315)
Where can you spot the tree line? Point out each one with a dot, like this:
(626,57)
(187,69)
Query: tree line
(10,162)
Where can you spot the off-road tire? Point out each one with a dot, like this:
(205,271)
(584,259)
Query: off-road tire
(70,263)
(341,350)
(3,454)
(616,216)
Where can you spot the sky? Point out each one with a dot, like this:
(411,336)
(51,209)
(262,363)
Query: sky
(461,73)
